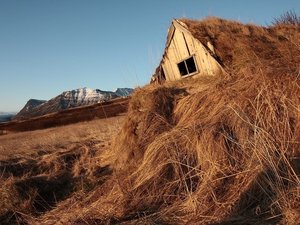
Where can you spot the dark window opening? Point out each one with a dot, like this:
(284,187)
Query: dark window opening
(187,66)
(190,63)
(182,69)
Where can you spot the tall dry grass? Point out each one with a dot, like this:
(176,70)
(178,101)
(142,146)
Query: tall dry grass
(289,17)
(39,169)
(223,154)
(205,151)
(57,138)
(243,48)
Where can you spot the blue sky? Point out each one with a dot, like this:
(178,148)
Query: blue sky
(49,46)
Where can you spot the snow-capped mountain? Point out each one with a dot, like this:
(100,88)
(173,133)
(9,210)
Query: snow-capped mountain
(69,99)
(84,96)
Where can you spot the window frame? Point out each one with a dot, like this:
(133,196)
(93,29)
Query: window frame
(186,67)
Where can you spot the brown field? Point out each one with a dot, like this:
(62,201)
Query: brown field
(40,168)
(100,131)
(85,113)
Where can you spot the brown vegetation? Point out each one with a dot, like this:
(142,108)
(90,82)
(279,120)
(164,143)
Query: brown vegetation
(70,116)
(212,150)
(41,168)
(221,154)
(245,48)
(290,18)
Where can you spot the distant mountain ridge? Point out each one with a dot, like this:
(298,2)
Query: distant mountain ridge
(30,105)
(69,99)
(5,117)
(123,91)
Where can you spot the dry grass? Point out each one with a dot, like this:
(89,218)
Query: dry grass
(289,17)
(225,152)
(58,138)
(222,154)
(213,150)
(107,109)
(39,169)
(242,48)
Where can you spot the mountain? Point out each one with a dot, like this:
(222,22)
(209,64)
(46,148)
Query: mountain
(5,117)
(69,99)
(123,92)
(30,106)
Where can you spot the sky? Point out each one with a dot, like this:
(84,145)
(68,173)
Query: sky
(50,46)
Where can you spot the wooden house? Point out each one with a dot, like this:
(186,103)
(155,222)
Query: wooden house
(185,56)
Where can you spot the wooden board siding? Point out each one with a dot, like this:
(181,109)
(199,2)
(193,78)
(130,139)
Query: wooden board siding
(181,45)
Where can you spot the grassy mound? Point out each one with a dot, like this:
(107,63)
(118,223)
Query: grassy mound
(206,151)
(244,47)
(221,154)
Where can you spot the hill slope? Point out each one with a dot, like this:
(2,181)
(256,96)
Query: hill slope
(69,99)
(73,115)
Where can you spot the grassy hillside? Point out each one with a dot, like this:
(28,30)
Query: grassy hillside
(211,150)
(85,113)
